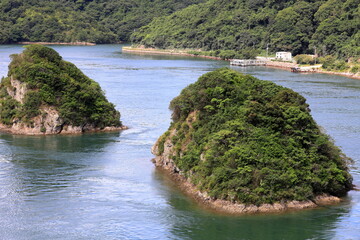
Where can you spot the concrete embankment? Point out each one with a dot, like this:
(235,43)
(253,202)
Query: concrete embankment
(154,51)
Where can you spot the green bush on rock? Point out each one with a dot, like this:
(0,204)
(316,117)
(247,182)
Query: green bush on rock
(51,81)
(242,139)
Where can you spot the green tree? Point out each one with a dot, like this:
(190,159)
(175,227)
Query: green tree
(242,139)
(56,83)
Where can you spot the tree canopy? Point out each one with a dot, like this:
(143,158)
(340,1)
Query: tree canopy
(99,21)
(54,82)
(242,139)
(298,26)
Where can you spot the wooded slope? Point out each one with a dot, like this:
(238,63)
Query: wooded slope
(331,26)
(242,139)
(99,21)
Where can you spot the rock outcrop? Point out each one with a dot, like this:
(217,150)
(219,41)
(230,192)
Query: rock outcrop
(241,145)
(17,90)
(45,95)
(166,163)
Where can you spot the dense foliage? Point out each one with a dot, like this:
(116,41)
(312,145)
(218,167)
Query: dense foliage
(305,59)
(100,21)
(332,26)
(242,139)
(52,81)
(247,53)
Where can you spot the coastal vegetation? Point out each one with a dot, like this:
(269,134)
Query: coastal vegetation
(98,21)
(247,53)
(225,29)
(329,63)
(244,140)
(330,26)
(39,80)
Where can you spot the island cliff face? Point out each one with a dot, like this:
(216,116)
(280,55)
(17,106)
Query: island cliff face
(242,145)
(44,94)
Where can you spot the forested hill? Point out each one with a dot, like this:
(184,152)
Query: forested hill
(43,94)
(245,140)
(100,21)
(332,26)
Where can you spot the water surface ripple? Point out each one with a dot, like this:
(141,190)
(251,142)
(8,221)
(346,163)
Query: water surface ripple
(103,186)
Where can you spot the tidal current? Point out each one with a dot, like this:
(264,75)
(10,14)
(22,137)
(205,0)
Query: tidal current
(104,186)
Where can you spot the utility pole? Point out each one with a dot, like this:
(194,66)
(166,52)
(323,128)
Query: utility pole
(267,51)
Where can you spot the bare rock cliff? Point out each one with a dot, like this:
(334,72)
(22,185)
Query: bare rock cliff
(17,90)
(164,159)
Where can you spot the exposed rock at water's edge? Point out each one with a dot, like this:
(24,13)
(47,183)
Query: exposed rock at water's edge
(45,95)
(241,145)
(165,163)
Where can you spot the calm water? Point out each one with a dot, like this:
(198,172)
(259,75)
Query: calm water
(103,186)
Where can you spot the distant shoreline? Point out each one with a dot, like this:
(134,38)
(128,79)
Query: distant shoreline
(59,43)
(272,64)
(153,51)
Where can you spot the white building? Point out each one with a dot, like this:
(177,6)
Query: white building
(284,56)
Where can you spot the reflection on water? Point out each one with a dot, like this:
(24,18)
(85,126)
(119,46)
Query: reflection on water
(192,222)
(103,186)
(48,163)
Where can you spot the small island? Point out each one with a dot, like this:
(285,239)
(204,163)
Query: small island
(43,94)
(239,145)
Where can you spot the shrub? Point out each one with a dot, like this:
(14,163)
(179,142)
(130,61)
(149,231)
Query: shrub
(355,69)
(252,141)
(304,59)
(331,63)
(8,110)
(196,53)
(227,54)
(61,84)
(32,103)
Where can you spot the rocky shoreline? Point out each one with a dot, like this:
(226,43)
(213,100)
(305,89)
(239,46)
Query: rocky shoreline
(164,163)
(60,130)
(230,208)
(31,104)
(272,64)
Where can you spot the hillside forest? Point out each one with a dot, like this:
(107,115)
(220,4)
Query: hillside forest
(300,26)
(98,21)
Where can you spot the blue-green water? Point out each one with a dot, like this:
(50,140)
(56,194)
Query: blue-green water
(104,186)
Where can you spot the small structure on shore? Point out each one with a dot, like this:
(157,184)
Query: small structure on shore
(284,56)
(247,62)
